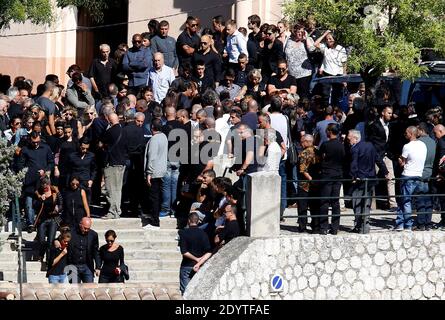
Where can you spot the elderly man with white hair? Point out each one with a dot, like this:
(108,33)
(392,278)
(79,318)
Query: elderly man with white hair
(272,152)
(160,77)
(102,71)
(364,158)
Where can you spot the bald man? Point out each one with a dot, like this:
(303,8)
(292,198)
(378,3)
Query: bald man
(83,252)
(160,77)
(114,142)
(212,61)
(412,160)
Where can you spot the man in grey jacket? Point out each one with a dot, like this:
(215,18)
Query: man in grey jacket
(155,167)
(166,45)
(78,95)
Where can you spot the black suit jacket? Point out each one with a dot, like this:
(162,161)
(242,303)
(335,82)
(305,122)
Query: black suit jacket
(375,133)
(440,152)
(92,249)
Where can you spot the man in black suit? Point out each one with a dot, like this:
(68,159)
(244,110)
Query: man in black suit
(439,186)
(379,134)
(83,252)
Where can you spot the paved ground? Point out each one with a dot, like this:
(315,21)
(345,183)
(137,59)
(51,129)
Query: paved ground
(378,223)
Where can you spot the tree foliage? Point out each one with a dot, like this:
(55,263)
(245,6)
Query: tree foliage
(41,12)
(10,182)
(382,34)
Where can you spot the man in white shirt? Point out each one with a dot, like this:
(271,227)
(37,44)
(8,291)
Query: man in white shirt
(236,43)
(412,160)
(160,77)
(273,152)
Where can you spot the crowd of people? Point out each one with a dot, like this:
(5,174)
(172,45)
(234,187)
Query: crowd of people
(144,123)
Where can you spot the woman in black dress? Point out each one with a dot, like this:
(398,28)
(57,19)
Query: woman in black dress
(75,204)
(67,147)
(112,259)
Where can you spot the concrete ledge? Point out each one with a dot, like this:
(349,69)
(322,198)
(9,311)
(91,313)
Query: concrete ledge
(374,266)
(90,291)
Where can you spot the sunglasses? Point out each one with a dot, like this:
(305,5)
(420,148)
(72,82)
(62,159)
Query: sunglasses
(194,25)
(137,41)
(35,112)
(204,43)
(17,123)
(91,113)
(69,114)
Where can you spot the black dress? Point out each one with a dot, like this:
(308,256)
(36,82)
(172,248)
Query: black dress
(109,262)
(74,210)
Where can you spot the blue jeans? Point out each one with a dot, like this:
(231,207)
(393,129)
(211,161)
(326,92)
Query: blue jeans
(185,275)
(46,234)
(169,186)
(30,213)
(409,186)
(424,205)
(83,274)
(61,278)
(283,175)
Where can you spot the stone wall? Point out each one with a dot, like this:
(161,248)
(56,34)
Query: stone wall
(376,266)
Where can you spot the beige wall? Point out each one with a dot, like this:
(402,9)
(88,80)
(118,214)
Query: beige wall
(34,56)
(268,10)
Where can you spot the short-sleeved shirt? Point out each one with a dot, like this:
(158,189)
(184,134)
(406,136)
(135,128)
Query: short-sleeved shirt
(194,241)
(415,154)
(333,59)
(47,105)
(185,39)
(283,84)
(103,74)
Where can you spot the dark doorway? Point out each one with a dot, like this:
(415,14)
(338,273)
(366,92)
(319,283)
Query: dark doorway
(88,41)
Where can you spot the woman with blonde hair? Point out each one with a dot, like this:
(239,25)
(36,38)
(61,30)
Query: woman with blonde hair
(254,87)
(88,117)
(69,114)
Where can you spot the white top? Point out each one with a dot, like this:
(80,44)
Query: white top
(273,158)
(385,127)
(160,81)
(222,127)
(279,122)
(236,44)
(333,59)
(415,154)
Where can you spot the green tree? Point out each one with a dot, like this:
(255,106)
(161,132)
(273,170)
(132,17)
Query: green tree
(41,11)
(10,182)
(382,35)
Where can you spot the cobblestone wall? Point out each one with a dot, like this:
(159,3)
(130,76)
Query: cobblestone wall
(376,266)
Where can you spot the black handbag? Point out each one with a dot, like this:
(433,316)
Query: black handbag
(124,272)
(292,152)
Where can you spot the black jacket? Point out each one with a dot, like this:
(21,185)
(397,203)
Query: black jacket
(84,169)
(91,246)
(375,133)
(41,158)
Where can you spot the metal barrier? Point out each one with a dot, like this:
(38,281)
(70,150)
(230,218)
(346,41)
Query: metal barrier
(366,189)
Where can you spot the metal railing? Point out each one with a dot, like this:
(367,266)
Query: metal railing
(364,182)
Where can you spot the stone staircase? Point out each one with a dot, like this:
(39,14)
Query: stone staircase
(152,256)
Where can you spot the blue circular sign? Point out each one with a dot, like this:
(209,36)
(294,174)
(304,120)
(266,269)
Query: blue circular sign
(277,282)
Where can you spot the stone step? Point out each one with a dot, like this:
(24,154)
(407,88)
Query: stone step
(129,223)
(149,254)
(135,276)
(127,244)
(141,265)
(133,234)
